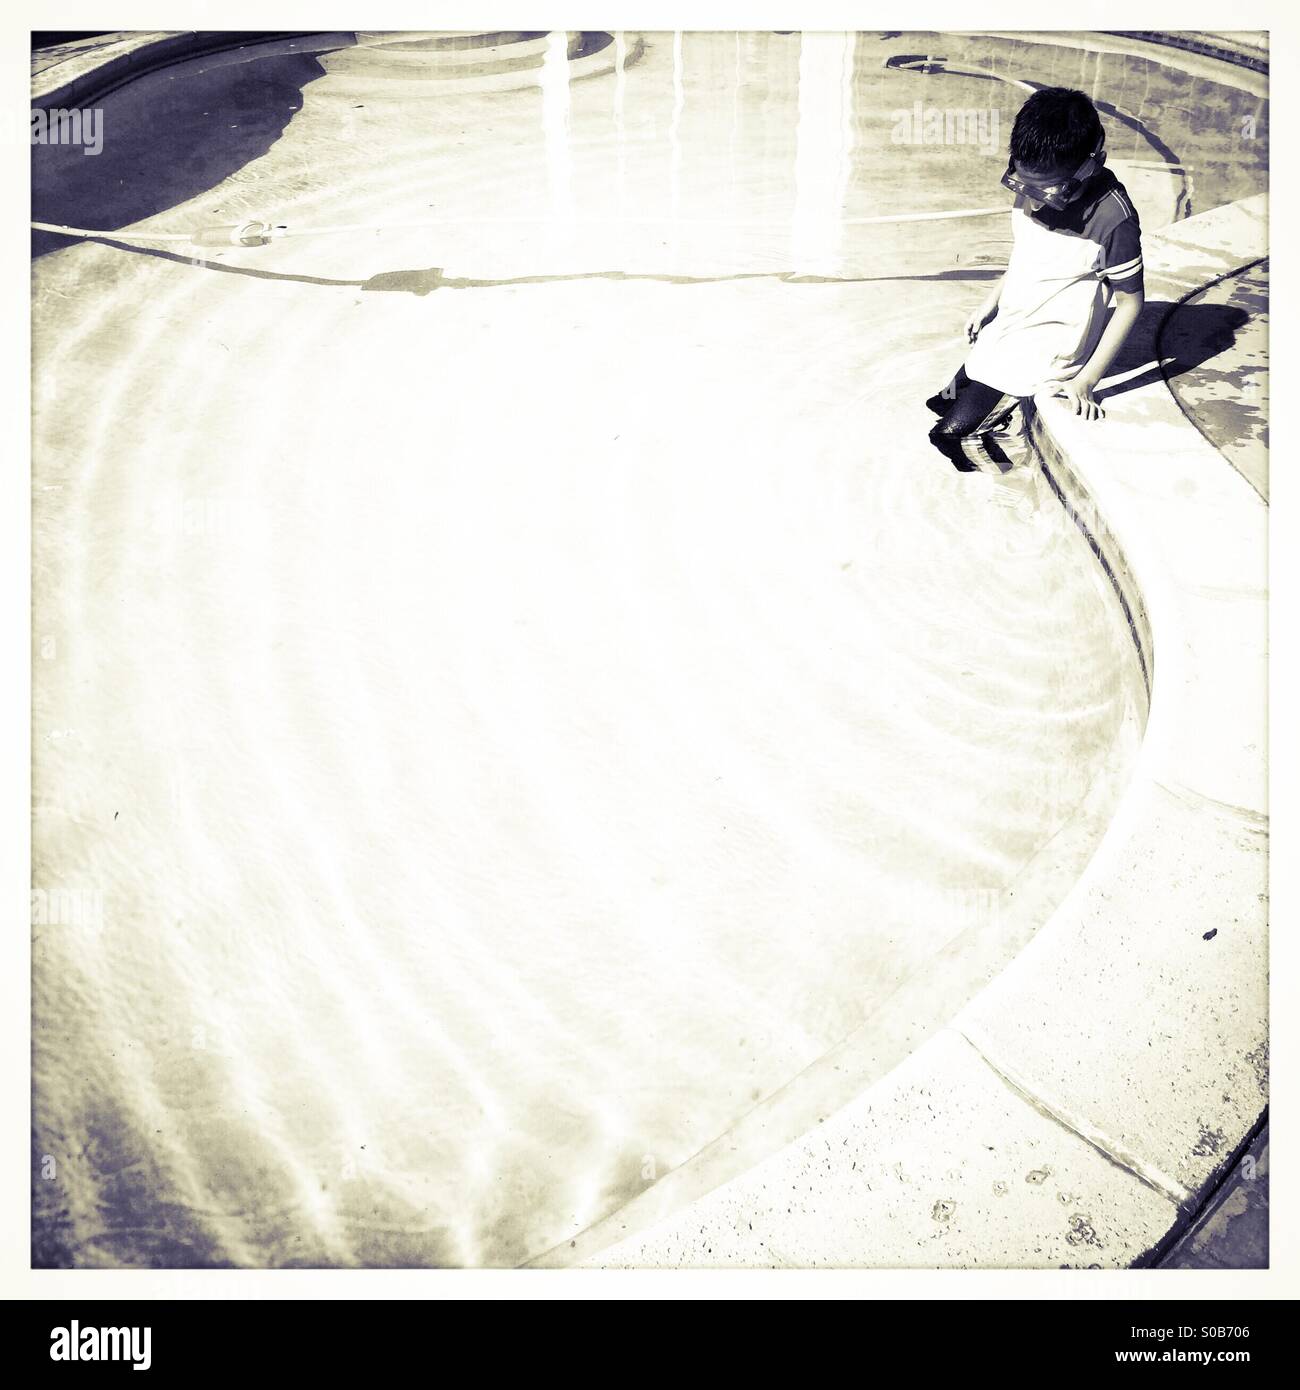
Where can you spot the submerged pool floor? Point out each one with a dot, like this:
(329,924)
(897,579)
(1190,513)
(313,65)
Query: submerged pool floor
(506,723)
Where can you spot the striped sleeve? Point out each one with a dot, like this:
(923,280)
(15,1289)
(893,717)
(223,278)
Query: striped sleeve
(1120,263)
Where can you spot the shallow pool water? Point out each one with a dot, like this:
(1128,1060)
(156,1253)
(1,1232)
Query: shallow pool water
(513,688)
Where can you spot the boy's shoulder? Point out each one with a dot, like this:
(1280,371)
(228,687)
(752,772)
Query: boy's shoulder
(1108,204)
(1103,207)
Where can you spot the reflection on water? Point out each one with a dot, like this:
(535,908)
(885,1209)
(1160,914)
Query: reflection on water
(825,142)
(555,120)
(514,732)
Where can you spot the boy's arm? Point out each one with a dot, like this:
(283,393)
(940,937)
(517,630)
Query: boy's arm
(1128,305)
(1121,269)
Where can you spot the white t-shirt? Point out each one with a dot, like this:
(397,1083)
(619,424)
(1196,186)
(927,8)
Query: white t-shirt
(1053,305)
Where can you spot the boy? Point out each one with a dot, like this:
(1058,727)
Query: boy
(1076,236)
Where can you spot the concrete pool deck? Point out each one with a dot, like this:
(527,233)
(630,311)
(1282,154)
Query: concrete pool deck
(1080,1110)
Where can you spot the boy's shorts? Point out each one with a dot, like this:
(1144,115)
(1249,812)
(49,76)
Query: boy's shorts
(968,409)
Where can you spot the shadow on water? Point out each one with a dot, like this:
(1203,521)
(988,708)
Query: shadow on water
(168,137)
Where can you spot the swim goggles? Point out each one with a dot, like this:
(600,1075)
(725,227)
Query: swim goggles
(1055,195)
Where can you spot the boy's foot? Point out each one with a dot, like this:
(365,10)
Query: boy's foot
(987,446)
(953,449)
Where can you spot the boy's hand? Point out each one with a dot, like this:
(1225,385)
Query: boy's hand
(978,319)
(1079,398)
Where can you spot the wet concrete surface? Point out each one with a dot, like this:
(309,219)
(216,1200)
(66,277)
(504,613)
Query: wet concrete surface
(1232,1231)
(1225,395)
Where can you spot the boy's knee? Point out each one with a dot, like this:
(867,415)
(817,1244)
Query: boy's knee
(948,429)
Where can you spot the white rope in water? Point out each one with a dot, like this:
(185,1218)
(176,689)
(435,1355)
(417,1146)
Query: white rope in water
(118,236)
(272,230)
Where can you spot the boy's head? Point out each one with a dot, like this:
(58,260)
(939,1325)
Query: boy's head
(1056,146)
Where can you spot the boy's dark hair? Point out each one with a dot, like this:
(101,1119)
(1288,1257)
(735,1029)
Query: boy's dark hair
(1055,127)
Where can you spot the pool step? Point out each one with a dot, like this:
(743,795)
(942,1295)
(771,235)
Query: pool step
(450,55)
(467,62)
(444,41)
